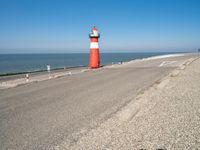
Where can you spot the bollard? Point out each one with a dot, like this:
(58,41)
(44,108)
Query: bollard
(49,71)
(27,77)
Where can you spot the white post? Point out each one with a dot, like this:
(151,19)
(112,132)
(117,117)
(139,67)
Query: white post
(49,71)
(27,77)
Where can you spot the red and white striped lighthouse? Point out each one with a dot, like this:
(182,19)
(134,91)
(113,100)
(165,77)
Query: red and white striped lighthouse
(94,49)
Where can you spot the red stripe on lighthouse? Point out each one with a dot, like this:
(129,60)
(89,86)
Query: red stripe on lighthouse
(93,39)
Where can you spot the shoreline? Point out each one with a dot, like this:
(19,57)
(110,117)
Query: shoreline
(41,70)
(85,66)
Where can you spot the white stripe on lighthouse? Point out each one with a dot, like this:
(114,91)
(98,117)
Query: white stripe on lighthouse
(94,45)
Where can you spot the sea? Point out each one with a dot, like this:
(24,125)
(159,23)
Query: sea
(18,63)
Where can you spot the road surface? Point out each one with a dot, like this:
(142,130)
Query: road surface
(44,114)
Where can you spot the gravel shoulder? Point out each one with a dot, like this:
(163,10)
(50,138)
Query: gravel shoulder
(166,116)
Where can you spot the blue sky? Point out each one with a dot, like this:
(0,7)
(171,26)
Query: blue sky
(62,26)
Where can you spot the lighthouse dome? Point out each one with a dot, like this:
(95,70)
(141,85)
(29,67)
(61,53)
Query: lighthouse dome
(94,28)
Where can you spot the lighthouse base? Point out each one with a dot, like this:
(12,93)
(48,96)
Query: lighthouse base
(94,59)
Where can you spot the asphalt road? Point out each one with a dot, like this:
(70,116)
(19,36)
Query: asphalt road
(44,114)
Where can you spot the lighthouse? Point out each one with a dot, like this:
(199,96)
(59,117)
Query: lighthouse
(94,49)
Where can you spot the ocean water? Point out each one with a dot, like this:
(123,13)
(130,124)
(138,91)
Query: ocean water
(15,63)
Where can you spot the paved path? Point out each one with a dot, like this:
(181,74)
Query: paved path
(44,114)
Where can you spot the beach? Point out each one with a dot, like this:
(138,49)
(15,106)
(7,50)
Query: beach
(101,108)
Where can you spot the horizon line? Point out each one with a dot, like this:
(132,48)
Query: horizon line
(100,52)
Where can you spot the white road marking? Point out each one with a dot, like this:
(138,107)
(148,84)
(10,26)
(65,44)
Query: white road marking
(165,63)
